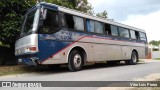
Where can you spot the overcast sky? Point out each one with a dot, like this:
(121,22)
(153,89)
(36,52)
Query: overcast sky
(143,14)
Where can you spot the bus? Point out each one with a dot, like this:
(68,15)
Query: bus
(56,35)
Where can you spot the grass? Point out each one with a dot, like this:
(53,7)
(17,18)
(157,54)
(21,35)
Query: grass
(20,69)
(9,70)
(156,58)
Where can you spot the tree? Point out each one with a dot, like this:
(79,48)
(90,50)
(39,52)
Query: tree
(12,12)
(155,43)
(103,14)
(84,7)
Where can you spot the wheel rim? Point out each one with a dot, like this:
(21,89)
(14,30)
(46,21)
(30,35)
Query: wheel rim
(134,58)
(77,60)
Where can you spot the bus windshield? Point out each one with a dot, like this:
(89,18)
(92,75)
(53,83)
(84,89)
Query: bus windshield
(30,22)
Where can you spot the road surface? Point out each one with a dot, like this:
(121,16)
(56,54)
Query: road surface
(100,72)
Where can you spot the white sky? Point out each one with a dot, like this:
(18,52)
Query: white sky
(143,14)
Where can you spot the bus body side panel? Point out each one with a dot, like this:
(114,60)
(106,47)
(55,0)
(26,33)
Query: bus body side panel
(55,48)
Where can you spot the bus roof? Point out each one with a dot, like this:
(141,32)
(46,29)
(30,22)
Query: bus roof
(82,14)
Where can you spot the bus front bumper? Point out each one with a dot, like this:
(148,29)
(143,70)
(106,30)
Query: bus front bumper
(28,59)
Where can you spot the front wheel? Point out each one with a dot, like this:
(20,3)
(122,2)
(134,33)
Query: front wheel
(133,60)
(75,61)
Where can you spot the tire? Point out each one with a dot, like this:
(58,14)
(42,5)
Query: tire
(133,60)
(75,61)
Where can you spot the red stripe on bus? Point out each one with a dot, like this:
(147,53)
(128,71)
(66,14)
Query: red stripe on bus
(79,40)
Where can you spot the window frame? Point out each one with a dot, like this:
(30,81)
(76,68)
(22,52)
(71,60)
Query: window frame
(117,30)
(142,37)
(123,29)
(102,27)
(83,23)
(94,27)
(131,35)
(55,29)
(73,29)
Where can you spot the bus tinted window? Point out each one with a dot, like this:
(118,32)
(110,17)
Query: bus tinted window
(94,26)
(51,22)
(124,32)
(142,36)
(74,22)
(133,34)
(114,30)
(69,21)
(78,23)
(90,25)
(107,29)
(98,27)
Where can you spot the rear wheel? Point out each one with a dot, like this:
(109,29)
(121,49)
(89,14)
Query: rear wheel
(133,60)
(75,61)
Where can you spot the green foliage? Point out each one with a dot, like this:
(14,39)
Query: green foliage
(103,14)
(11,13)
(85,7)
(4,45)
(156,58)
(155,43)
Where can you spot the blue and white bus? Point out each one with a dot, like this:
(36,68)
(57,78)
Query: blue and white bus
(55,35)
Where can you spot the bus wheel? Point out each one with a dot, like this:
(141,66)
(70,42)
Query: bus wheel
(75,61)
(133,60)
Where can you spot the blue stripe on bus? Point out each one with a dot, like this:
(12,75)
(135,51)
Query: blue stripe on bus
(49,47)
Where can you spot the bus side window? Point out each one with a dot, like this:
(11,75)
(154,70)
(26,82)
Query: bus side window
(114,30)
(94,26)
(51,23)
(107,29)
(137,35)
(69,21)
(98,27)
(123,32)
(78,23)
(133,34)
(142,36)
(74,22)
(90,25)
